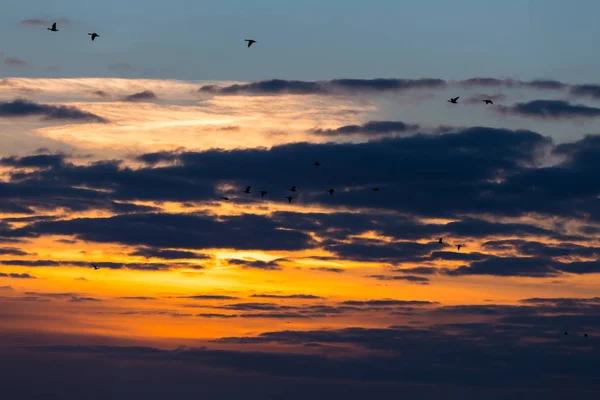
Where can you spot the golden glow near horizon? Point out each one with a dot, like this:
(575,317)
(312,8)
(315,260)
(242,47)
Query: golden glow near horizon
(159,305)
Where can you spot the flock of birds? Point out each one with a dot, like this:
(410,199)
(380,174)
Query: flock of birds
(293,189)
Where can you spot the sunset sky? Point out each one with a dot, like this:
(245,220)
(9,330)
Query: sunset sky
(118,152)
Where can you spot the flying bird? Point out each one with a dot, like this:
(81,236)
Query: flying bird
(441,241)
(290,198)
(225,198)
(247,191)
(262,193)
(376,189)
(292,189)
(250,41)
(585,335)
(458,246)
(53,29)
(331,191)
(95,266)
(566,333)
(454,100)
(317,164)
(93,35)
(488,102)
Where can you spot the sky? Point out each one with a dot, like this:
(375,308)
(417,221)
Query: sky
(133,153)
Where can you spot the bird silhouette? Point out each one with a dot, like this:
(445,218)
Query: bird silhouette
(458,246)
(441,240)
(488,102)
(95,266)
(292,189)
(93,35)
(247,191)
(225,198)
(331,191)
(290,198)
(262,193)
(250,41)
(585,335)
(317,164)
(566,333)
(376,189)
(454,100)
(53,29)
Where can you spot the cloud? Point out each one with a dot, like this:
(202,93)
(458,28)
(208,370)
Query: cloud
(542,84)
(588,90)
(256,307)
(479,98)
(257,264)
(209,297)
(15,62)
(289,296)
(141,96)
(224,316)
(169,254)
(37,161)
(388,302)
(101,264)
(12,251)
(25,108)
(101,93)
(329,269)
(178,231)
(408,278)
(336,86)
(7,288)
(550,109)
(141,298)
(371,128)
(16,276)
(119,67)
(510,266)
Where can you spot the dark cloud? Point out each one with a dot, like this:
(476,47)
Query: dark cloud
(371,128)
(417,271)
(283,315)
(101,93)
(169,254)
(588,90)
(6,288)
(109,265)
(256,307)
(407,278)
(141,298)
(388,302)
(12,251)
(550,109)
(257,264)
(209,297)
(155,158)
(329,269)
(289,296)
(510,266)
(198,231)
(542,84)
(25,108)
(224,316)
(15,62)
(279,86)
(141,96)
(37,161)
(16,276)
